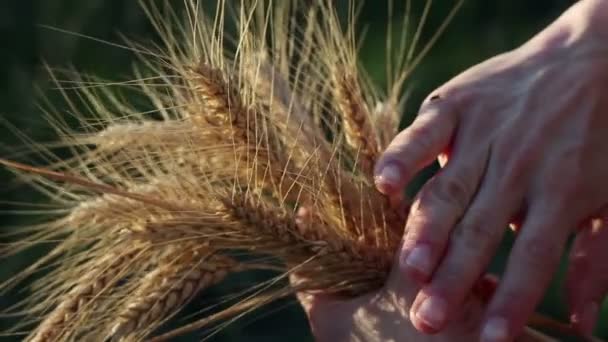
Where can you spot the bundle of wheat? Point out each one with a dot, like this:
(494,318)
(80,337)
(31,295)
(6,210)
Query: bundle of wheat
(258,116)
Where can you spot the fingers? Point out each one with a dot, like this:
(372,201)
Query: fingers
(532,263)
(440,204)
(587,277)
(415,147)
(472,246)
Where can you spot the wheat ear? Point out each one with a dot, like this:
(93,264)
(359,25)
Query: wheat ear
(103,275)
(244,127)
(166,289)
(358,130)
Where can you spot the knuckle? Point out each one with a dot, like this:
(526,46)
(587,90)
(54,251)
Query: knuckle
(515,163)
(418,216)
(451,191)
(437,98)
(450,95)
(410,143)
(473,233)
(414,234)
(421,136)
(420,220)
(448,282)
(539,253)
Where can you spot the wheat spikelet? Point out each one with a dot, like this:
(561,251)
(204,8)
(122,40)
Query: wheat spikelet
(221,107)
(386,121)
(274,231)
(243,126)
(145,133)
(170,286)
(358,130)
(61,322)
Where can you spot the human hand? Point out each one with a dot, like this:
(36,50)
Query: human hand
(384,314)
(522,140)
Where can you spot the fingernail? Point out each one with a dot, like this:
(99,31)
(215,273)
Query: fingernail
(495,330)
(388,178)
(432,312)
(419,258)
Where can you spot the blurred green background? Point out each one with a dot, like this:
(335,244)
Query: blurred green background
(480,30)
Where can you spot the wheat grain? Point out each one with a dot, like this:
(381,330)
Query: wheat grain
(358,130)
(145,133)
(386,122)
(60,322)
(275,232)
(166,289)
(243,126)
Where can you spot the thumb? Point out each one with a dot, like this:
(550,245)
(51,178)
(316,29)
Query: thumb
(587,276)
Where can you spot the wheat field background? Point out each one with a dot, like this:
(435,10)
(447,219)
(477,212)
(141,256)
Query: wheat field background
(480,30)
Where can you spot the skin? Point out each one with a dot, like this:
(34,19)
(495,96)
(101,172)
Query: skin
(384,315)
(521,138)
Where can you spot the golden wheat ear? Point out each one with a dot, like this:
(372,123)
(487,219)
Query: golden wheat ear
(176,280)
(63,321)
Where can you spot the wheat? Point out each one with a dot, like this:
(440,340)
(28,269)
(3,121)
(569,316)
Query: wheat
(262,144)
(244,127)
(61,322)
(165,290)
(358,130)
(386,122)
